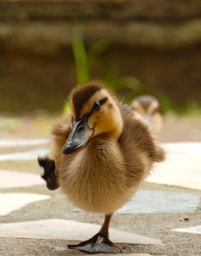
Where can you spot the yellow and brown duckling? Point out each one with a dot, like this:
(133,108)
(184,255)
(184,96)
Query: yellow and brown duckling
(148,107)
(100,155)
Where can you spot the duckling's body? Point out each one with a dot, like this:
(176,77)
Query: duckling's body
(107,153)
(148,107)
(103,176)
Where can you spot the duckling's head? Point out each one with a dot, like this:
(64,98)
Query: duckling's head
(95,112)
(148,107)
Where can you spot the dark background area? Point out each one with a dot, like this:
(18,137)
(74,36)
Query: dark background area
(158,43)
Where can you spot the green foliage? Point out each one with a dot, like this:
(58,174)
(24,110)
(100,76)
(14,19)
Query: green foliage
(127,87)
(9,124)
(66,109)
(80,55)
(192,108)
(96,50)
(81,59)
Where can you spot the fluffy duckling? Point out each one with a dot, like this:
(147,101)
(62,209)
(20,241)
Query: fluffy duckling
(148,107)
(100,154)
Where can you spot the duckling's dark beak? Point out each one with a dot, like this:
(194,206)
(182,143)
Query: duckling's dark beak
(78,137)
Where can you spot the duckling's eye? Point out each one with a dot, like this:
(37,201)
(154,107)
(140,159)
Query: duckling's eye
(96,106)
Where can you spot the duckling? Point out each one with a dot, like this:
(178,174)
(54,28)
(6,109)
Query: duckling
(102,152)
(148,107)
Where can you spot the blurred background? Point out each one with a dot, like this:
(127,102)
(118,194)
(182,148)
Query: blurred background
(137,47)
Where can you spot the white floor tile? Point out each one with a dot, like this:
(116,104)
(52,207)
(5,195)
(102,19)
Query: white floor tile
(11,179)
(67,230)
(22,143)
(192,230)
(23,156)
(13,201)
(181,167)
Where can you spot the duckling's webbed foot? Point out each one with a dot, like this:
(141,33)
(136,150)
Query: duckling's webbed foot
(99,243)
(49,173)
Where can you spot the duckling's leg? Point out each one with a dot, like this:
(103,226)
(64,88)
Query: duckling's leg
(49,173)
(99,243)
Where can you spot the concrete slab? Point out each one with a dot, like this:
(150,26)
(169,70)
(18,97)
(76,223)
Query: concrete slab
(23,156)
(67,230)
(192,230)
(14,201)
(127,254)
(22,143)
(65,249)
(12,179)
(160,201)
(130,254)
(181,167)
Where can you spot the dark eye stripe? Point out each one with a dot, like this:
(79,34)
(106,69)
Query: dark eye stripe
(98,104)
(95,107)
(101,102)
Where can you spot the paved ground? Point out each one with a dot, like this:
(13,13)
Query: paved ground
(162,219)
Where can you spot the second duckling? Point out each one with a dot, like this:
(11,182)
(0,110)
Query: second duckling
(149,108)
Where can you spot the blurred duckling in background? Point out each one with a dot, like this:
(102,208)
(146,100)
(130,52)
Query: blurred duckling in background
(148,107)
(100,155)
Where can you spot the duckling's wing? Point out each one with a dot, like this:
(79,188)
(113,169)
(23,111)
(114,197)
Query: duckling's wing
(137,137)
(138,148)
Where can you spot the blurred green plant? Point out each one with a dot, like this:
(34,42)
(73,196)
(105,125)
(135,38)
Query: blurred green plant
(9,124)
(83,61)
(192,108)
(80,55)
(130,87)
(127,87)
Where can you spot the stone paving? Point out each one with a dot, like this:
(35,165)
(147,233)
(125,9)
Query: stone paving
(182,166)
(68,230)
(47,228)
(181,169)
(14,201)
(14,179)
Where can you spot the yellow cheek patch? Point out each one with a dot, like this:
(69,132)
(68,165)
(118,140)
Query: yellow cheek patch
(107,121)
